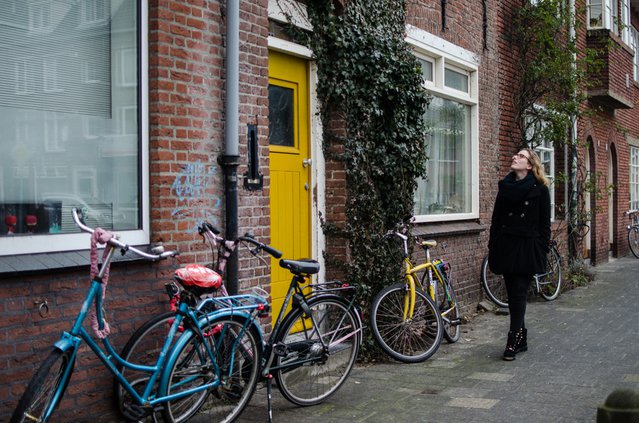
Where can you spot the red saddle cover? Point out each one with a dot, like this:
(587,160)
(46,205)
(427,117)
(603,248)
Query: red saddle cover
(198,275)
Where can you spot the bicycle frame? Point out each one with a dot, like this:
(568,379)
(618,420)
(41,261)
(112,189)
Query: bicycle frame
(73,339)
(296,293)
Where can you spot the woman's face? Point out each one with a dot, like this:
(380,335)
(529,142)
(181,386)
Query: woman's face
(521,161)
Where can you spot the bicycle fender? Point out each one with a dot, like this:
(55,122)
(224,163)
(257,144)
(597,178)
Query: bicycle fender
(67,341)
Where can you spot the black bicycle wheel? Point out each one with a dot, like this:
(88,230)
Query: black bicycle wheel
(633,240)
(449,308)
(315,355)
(143,348)
(238,353)
(550,282)
(493,285)
(410,340)
(45,391)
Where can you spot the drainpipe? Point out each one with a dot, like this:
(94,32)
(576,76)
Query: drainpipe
(230,160)
(571,161)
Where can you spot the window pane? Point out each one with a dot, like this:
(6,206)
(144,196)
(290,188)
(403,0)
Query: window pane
(456,80)
(69,131)
(427,69)
(595,18)
(634,178)
(447,186)
(280,116)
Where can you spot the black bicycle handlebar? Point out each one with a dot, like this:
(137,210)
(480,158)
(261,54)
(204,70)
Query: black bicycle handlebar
(116,243)
(272,251)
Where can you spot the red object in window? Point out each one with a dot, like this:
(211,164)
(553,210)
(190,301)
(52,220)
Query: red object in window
(10,220)
(30,220)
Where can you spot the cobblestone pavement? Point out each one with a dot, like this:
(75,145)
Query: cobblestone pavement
(582,346)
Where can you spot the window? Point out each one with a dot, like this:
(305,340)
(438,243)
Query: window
(50,75)
(603,14)
(449,191)
(39,16)
(626,26)
(634,178)
(546,152)
(73,129)
(635,48)
(427,69)
(21,75)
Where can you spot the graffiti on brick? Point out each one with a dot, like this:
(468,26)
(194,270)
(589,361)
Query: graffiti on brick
(190,189)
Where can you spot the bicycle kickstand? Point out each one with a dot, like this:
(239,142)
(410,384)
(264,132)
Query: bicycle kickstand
(269,396)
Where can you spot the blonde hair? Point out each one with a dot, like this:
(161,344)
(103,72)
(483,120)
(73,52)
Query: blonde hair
(537,166)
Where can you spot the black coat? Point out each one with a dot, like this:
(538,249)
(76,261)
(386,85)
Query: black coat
(520,227)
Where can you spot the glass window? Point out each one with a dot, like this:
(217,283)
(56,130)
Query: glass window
(68,128)
(280,116)
(626,26)
(449,190)
(634,178)
(595,14)
(546,152)
(456,80)
(635,48)
(446,189)
(427,69)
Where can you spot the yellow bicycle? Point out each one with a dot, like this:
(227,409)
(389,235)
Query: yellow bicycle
(408,319)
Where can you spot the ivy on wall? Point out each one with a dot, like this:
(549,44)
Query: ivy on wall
(369,81)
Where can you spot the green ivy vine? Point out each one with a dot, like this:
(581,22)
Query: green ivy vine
(370,82)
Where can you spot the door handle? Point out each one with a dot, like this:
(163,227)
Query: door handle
(307,162)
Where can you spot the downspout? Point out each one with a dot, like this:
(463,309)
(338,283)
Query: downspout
(230,160)
(570,154)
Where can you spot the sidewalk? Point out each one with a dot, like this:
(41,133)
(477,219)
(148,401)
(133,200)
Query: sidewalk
(582,346)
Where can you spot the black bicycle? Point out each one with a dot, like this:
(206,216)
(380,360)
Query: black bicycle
(547,284)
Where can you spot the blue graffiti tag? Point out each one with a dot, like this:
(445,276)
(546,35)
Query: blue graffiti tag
(191,184)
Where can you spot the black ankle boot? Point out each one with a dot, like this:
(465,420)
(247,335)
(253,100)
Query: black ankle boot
(522,340)
(511,346)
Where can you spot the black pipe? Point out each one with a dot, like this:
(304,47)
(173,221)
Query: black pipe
(444,2)
(485,23)
(229,165)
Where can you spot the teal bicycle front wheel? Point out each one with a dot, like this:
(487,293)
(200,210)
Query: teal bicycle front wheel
(237,351)
(411,339)
(45,391)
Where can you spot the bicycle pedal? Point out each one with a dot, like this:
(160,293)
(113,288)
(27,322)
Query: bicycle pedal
(455,322)
(280,350)
(134,412)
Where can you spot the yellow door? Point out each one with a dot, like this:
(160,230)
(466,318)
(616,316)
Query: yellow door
(290,164)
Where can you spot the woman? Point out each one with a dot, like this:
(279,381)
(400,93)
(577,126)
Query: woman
(520,238)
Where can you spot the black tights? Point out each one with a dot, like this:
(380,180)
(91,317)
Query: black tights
(517,287)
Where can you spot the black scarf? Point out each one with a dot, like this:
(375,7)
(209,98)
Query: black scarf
(513,190)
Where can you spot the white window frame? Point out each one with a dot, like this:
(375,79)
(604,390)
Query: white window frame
(635,47)
(444,55)
(92,6)
(39,16)
(626,24)
(50,75)
(547,147)
(633,182)
(70,242)
(21,72)
(609,15)
(124,74)
(550,149)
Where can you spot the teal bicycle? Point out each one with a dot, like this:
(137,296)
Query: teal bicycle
(218,352)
